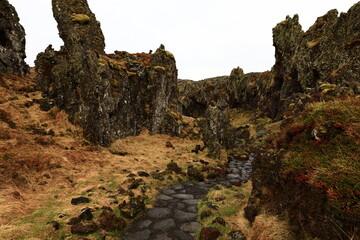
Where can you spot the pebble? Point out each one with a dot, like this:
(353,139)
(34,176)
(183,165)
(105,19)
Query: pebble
(175,212)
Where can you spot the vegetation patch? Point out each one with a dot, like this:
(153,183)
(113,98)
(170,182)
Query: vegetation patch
(322,149)
(226,204)
(268,227)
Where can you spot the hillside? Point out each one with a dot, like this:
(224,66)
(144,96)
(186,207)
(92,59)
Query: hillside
(45,162)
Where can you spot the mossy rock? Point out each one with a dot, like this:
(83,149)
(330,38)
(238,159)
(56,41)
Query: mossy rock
(80,18)
(130,74)
(327,86)
(159,68)
(314,42)
(170,54)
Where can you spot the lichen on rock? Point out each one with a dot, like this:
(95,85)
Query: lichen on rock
(110,95)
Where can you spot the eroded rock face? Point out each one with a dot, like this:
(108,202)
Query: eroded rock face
(12,41)
(216,129)
(323,60)
(110,96)
(78,27)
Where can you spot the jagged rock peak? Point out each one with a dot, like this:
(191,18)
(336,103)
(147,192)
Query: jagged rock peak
(78,26)
(110,95)
(12,41)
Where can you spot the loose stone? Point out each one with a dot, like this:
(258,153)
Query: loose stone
(164,224)
(184,216)
(159,212)
(164,197)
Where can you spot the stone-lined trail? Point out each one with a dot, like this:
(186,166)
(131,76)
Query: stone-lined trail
(174,216)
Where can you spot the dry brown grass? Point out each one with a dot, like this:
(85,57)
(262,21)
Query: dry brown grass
(268,227)
(39,174)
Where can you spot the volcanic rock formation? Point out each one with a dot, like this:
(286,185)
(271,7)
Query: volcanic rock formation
(325,59)
(12,41)
(110,96)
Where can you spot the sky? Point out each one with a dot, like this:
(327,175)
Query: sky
(207,37)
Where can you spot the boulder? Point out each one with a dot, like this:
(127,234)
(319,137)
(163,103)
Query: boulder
(209,233)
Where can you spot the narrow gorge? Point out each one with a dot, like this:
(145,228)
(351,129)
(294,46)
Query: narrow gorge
(114,146)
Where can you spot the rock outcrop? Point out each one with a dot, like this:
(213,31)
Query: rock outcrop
(216,130)
(12,41)
(323,60)
(110,95)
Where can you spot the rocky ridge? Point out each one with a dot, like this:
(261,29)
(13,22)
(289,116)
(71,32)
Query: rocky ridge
(12,41)
(323,60)
(110,95)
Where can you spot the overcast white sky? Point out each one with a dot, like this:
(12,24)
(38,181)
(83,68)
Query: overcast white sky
(207,37)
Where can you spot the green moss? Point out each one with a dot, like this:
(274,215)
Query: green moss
(159,68)
(130,74)
(291,105)
(102,62)
(170,54)
(327,86)
(235,201)
(80,18)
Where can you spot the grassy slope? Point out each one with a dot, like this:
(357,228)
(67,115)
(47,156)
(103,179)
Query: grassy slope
(39,174)
(323,150)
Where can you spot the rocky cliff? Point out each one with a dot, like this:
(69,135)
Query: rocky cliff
(110,95)
(323,60)
(12,41)
(302,176)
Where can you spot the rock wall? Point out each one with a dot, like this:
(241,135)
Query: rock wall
(12,41)
(110,95)
(323,60)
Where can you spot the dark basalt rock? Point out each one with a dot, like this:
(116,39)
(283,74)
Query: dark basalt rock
(216,129)
(111,96)
(219,220)
(209,233)
(173,167)
(12,41)
(79,200)
(206,214)
(78,27)
(84,228)
(195,174)
(86,214)
(110,222)
(74,221)
(131,209)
